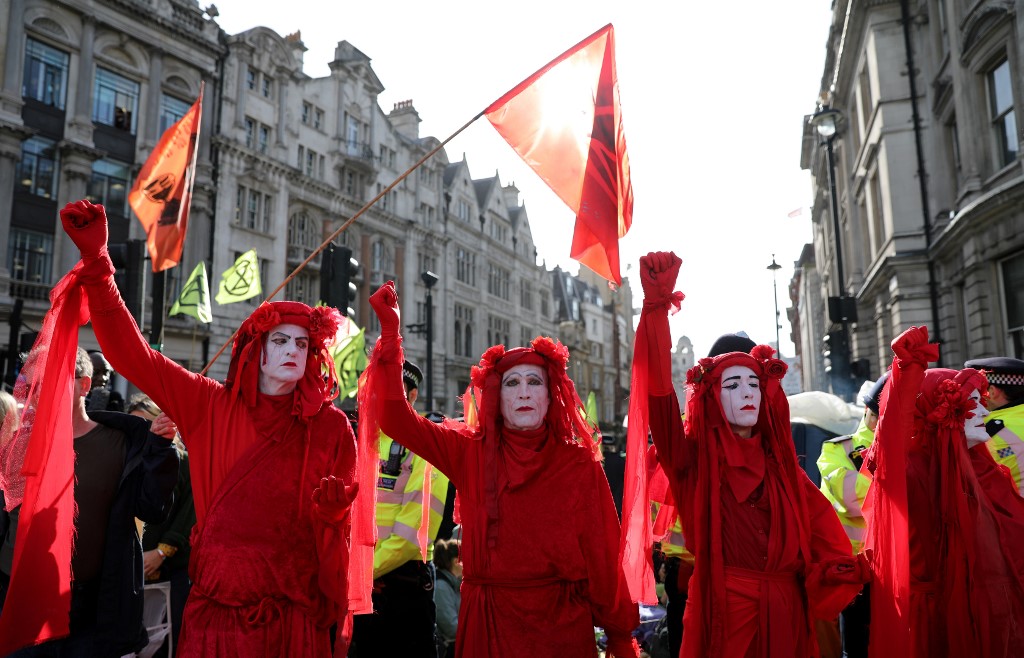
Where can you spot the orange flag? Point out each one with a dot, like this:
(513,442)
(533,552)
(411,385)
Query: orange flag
(163,191)
(565,122)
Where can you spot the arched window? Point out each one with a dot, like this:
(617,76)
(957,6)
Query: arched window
(469,340)
(458,337)
(303,231)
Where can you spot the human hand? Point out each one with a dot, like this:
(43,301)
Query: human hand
(163,426)
(912,346)
(658,273)
(332,498)
(151,561)
(385,305)
(86,225)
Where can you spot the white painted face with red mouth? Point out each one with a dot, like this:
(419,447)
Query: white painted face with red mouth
(740,396)
(974,428)
(524,397)
(284,359)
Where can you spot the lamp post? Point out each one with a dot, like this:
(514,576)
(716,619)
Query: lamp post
(427,327)
(841,309)
(775,267)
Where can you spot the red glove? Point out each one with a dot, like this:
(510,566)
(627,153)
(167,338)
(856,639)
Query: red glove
(658,273)
(912,346)
(385,305)
(332,499)
(86,225)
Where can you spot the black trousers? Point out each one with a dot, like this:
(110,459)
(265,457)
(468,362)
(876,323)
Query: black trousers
(855,621)
(404,615)
(676,605)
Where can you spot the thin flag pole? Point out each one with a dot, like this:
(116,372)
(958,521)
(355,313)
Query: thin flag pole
(344,226)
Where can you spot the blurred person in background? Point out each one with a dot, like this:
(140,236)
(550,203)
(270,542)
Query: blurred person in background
(447,594)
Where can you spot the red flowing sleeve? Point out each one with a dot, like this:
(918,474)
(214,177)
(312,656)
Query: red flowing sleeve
(182,395)
(333,539)
(610,602)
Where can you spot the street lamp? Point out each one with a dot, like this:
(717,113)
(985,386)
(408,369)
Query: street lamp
(429,279)
(775,267)
(841,309)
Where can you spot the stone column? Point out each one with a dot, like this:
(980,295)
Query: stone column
(75,172)
(282,107)
(83,86)
(156,79)
(15,47)
(241,92)
(10,153)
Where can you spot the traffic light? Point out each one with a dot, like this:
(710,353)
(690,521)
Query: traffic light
(835,351)
(129,260)
(336,272)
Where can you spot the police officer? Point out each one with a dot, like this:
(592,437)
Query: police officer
(403,588)
(1006,406)
(846,488)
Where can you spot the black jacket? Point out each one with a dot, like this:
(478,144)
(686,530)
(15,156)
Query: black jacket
(147,482)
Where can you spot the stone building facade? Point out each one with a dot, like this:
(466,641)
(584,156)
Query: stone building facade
(928,174)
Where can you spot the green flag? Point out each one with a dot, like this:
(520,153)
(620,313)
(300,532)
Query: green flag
(194,299)
(349,355)
(591,409)
(240,281)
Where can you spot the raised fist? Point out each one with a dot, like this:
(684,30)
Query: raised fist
(385,305)
(332,498)
(86,225)
(912,346)
(658,272)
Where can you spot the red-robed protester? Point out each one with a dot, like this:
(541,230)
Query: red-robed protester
(965,596)
(539,528)
(770,554)
(269,456)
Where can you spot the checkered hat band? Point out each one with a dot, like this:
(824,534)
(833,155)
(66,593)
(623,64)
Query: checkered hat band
(1005,379)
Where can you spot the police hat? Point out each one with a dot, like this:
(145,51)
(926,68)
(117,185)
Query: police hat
(873,397)
(737,342)
(411,374)
(1000,370)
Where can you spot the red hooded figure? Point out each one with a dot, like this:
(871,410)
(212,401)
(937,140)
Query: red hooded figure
(539,528)
(770,554)
(270,457)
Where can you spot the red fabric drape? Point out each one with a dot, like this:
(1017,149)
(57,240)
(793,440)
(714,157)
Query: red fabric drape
(566,123)
(39,597)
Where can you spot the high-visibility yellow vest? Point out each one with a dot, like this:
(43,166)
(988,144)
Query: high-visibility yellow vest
(843,485)
(1007,446)
(400,511)
(674,543)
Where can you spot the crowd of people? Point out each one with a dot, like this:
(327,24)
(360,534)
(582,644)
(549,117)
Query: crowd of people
(283,532)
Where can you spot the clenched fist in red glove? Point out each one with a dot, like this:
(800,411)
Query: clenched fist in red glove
(385,305)
(86,225)
(912,346)
(332,498)
(658,272)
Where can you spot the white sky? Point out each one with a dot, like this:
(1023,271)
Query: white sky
(712,95)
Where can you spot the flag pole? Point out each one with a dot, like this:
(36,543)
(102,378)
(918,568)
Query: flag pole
(357,215)
(192,353)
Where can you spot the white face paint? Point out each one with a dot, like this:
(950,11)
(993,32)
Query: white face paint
(974,428)
(524,397)
(284,359)
(741,398)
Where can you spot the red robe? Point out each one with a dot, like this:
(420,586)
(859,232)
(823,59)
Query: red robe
(768,581)
(269,578)
(553,573)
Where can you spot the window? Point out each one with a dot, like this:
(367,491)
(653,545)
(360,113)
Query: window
(171,111)
(526,294)
(1004,120)
(427,212)
(462,210)
(264,138)
(525,336)
(35,173)
(499,231)
(544,308)
(302,156)
(307,112)
(250,79)
(1013,294)
(352,135)
(303,231)
(109,186)
(465,266)
(115,99)
(30,256)
(46,74)
(304,287)
(253,209)
(498,281)
(463,339)
(318,119)
(497,330)
(266,88)
(311,161)
(250,132)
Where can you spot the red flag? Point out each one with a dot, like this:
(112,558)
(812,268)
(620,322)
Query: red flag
(163,191)
(566,123)
(39,597)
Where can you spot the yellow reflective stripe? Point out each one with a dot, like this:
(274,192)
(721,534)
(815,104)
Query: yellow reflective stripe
(1007,441)
(406,532)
